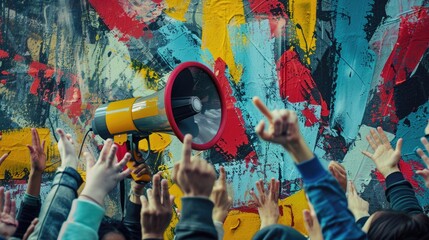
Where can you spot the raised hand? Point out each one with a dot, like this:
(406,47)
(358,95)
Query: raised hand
(267,202)
(386,158)
(219,196)
(157,209)
(311,223)
(8,223)
(102,176)
(67,150)
(37,153)
(339,172)
(357,205)
(283,129)
(424,172)
(194,176)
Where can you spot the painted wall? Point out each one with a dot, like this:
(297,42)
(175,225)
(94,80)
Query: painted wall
(344,66)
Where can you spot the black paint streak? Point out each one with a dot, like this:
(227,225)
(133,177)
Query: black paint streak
(414,92)
(375,17)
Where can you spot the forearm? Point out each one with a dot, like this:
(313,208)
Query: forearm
(28,210)
(329,202)
(299,151)
(132,219)
(34,183)
(400,194)
(196,221)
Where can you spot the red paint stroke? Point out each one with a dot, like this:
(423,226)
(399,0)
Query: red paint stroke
(4,54)
(252,159)
(413,40)
(234,134)
(3,81)
(274,10)
(115,17)
(69,102)
(296,83)
(18,58)
(310,117)
(4,72)
(408,169)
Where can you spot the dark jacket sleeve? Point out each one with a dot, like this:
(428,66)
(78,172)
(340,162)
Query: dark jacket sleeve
(400,194)
(132,219)
(329,202)
(196,220)
(57,204)
(278,232)
(28,210)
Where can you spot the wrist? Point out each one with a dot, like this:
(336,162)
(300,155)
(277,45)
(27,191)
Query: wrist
(153,236)
(360,214)
(94,196)
(386,172)
(198,195)
(299,150)
(35,173)
(69,162)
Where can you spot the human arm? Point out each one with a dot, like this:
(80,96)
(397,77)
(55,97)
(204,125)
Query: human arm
(267,202)
(222,202)
(131,219)
(58,202)
(324,192)
(196,178)
(399,191)
(102,176)
(358,206)
(157,209)
(30,206)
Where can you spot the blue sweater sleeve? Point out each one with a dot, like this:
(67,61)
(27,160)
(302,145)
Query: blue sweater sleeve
(329,202)
(83,221)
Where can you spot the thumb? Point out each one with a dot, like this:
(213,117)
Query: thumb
(399,145)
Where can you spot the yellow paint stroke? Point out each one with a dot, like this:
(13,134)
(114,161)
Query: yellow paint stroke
(243,225)
(177,9)
(304,13)
(158,142)
(151,77)
(18,161)
(217,16)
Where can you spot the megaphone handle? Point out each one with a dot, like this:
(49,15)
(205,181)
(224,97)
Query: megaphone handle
(135,151)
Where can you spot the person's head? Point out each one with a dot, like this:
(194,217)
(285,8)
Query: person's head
(112,230)
(393,225)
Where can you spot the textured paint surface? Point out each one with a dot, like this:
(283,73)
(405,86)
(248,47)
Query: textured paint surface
(303,15)
(344,66)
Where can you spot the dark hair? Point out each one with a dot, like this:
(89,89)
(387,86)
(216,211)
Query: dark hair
(394,225)
(109,225)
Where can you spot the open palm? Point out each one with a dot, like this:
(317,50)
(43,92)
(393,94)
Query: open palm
(385,157)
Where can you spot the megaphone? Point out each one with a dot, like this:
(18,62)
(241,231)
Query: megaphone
(191,102)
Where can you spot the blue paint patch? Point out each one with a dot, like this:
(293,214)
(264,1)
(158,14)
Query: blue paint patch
(355,67)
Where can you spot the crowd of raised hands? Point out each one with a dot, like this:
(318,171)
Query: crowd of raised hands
(335,209)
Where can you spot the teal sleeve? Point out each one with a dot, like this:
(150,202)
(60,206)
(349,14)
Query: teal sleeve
(83,221)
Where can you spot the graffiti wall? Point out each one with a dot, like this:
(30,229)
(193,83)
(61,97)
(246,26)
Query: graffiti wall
(345,67)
